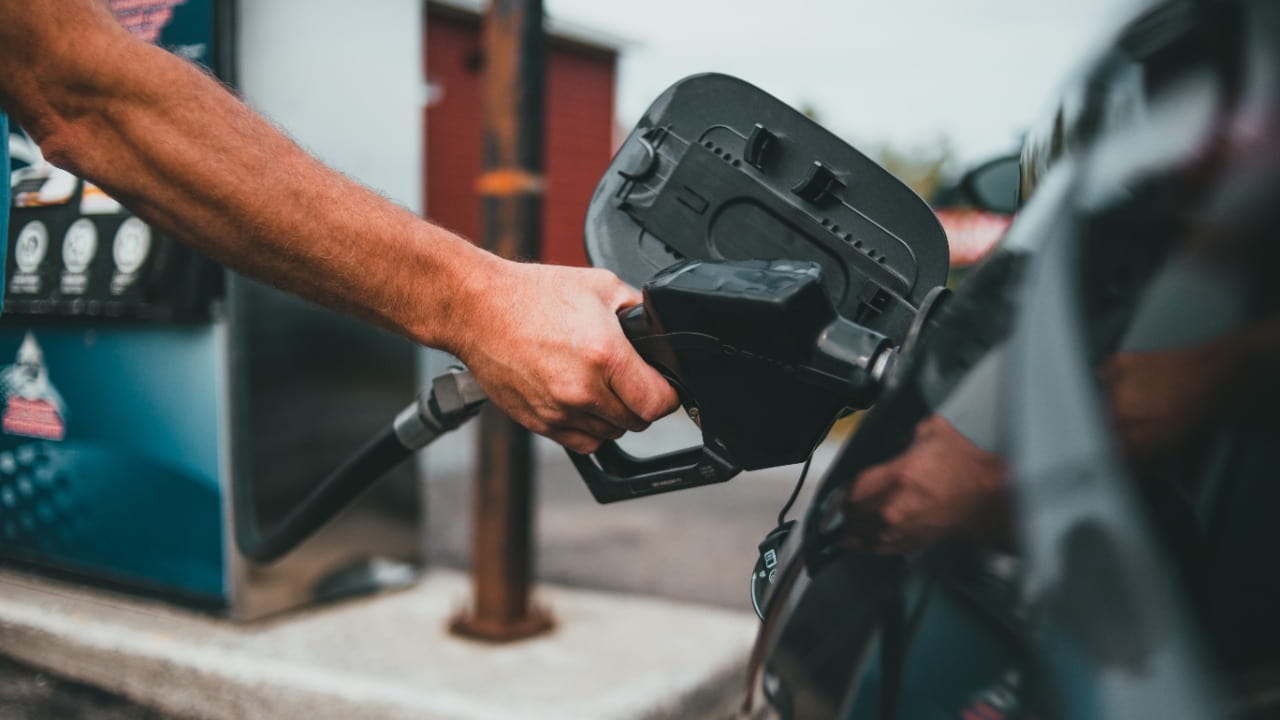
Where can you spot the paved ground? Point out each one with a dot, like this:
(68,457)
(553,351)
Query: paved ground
(696,545)
(611,657)
(28,694)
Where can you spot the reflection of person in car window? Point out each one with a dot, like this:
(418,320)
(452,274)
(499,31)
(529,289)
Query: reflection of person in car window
(943,486)
(1189,362)
(180,151)
(1160,399)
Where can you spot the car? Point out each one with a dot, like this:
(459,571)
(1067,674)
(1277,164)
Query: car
(1117,351)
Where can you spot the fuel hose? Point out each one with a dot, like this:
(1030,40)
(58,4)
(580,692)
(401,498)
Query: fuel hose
(452,399)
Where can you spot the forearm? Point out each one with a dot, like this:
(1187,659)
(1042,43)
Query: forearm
(183,153)
(177,149)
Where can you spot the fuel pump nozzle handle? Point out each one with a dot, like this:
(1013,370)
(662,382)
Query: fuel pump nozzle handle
(762,361)
(612,474)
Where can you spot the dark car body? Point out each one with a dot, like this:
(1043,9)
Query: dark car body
(1142,582)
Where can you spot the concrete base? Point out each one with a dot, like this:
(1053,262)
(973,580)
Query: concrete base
(610,656)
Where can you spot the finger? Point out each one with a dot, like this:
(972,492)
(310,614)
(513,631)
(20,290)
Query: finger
(609,408)
(865,521)
(576,441)
(890,544)
(589,424)
(641,388)
(873,484)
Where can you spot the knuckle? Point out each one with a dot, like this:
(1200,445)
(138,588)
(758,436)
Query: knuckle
(904,469)
(554,416)
(604,277)
(599,353)
(578,396)
(654,406)
(889,517)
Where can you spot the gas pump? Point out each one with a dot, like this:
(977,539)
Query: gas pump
(148,396)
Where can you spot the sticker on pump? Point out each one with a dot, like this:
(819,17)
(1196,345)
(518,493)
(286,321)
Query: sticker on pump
(79,246)
(95,201)
(130,248)
(33,407)
(41,185)
(29,249)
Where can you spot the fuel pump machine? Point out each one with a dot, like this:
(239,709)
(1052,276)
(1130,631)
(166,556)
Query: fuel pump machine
(148,397)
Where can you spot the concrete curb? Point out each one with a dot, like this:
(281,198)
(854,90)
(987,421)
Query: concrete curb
(611,657)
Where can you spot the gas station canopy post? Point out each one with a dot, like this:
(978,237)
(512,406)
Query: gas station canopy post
(511,195)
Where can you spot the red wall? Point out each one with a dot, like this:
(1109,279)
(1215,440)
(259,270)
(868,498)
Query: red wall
(579,133)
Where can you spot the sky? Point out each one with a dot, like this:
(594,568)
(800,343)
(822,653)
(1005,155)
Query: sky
(913,73)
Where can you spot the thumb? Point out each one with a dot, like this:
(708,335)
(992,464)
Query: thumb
(642,388)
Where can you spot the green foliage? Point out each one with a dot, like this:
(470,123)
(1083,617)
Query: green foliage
(923,168)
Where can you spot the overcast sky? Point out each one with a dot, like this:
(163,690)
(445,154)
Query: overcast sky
(910,72)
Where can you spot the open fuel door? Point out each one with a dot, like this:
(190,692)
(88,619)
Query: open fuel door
(782,269)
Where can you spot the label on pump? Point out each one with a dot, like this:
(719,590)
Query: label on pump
(33,407)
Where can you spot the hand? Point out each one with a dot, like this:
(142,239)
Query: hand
(546,345)
(941,486)
(1158,399)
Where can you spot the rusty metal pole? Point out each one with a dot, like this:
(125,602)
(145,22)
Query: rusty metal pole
(511,195)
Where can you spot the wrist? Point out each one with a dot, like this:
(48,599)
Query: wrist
(449,311)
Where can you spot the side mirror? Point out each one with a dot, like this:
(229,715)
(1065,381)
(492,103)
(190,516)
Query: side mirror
(993,185)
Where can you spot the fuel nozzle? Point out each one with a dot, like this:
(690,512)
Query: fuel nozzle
(858,356)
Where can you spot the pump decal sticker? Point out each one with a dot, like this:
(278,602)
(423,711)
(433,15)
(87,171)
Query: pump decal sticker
(145,18)
(78,248)
(28,253)
(42,185)
(129,249)
(33,407)
(95,201)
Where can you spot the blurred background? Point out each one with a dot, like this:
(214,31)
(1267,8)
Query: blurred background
(391,94)
(925,76)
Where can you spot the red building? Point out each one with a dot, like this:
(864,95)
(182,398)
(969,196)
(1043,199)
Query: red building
(581,73)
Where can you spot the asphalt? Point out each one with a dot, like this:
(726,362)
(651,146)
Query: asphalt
(391,656)
(27,693)
(695,546)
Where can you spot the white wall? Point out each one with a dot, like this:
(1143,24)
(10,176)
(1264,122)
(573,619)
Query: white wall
(345,80)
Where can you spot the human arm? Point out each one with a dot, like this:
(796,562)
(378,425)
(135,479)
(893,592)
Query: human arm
(183,153)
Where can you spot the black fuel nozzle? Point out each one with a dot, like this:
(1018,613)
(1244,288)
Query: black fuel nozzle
(859,358)
(762,361)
